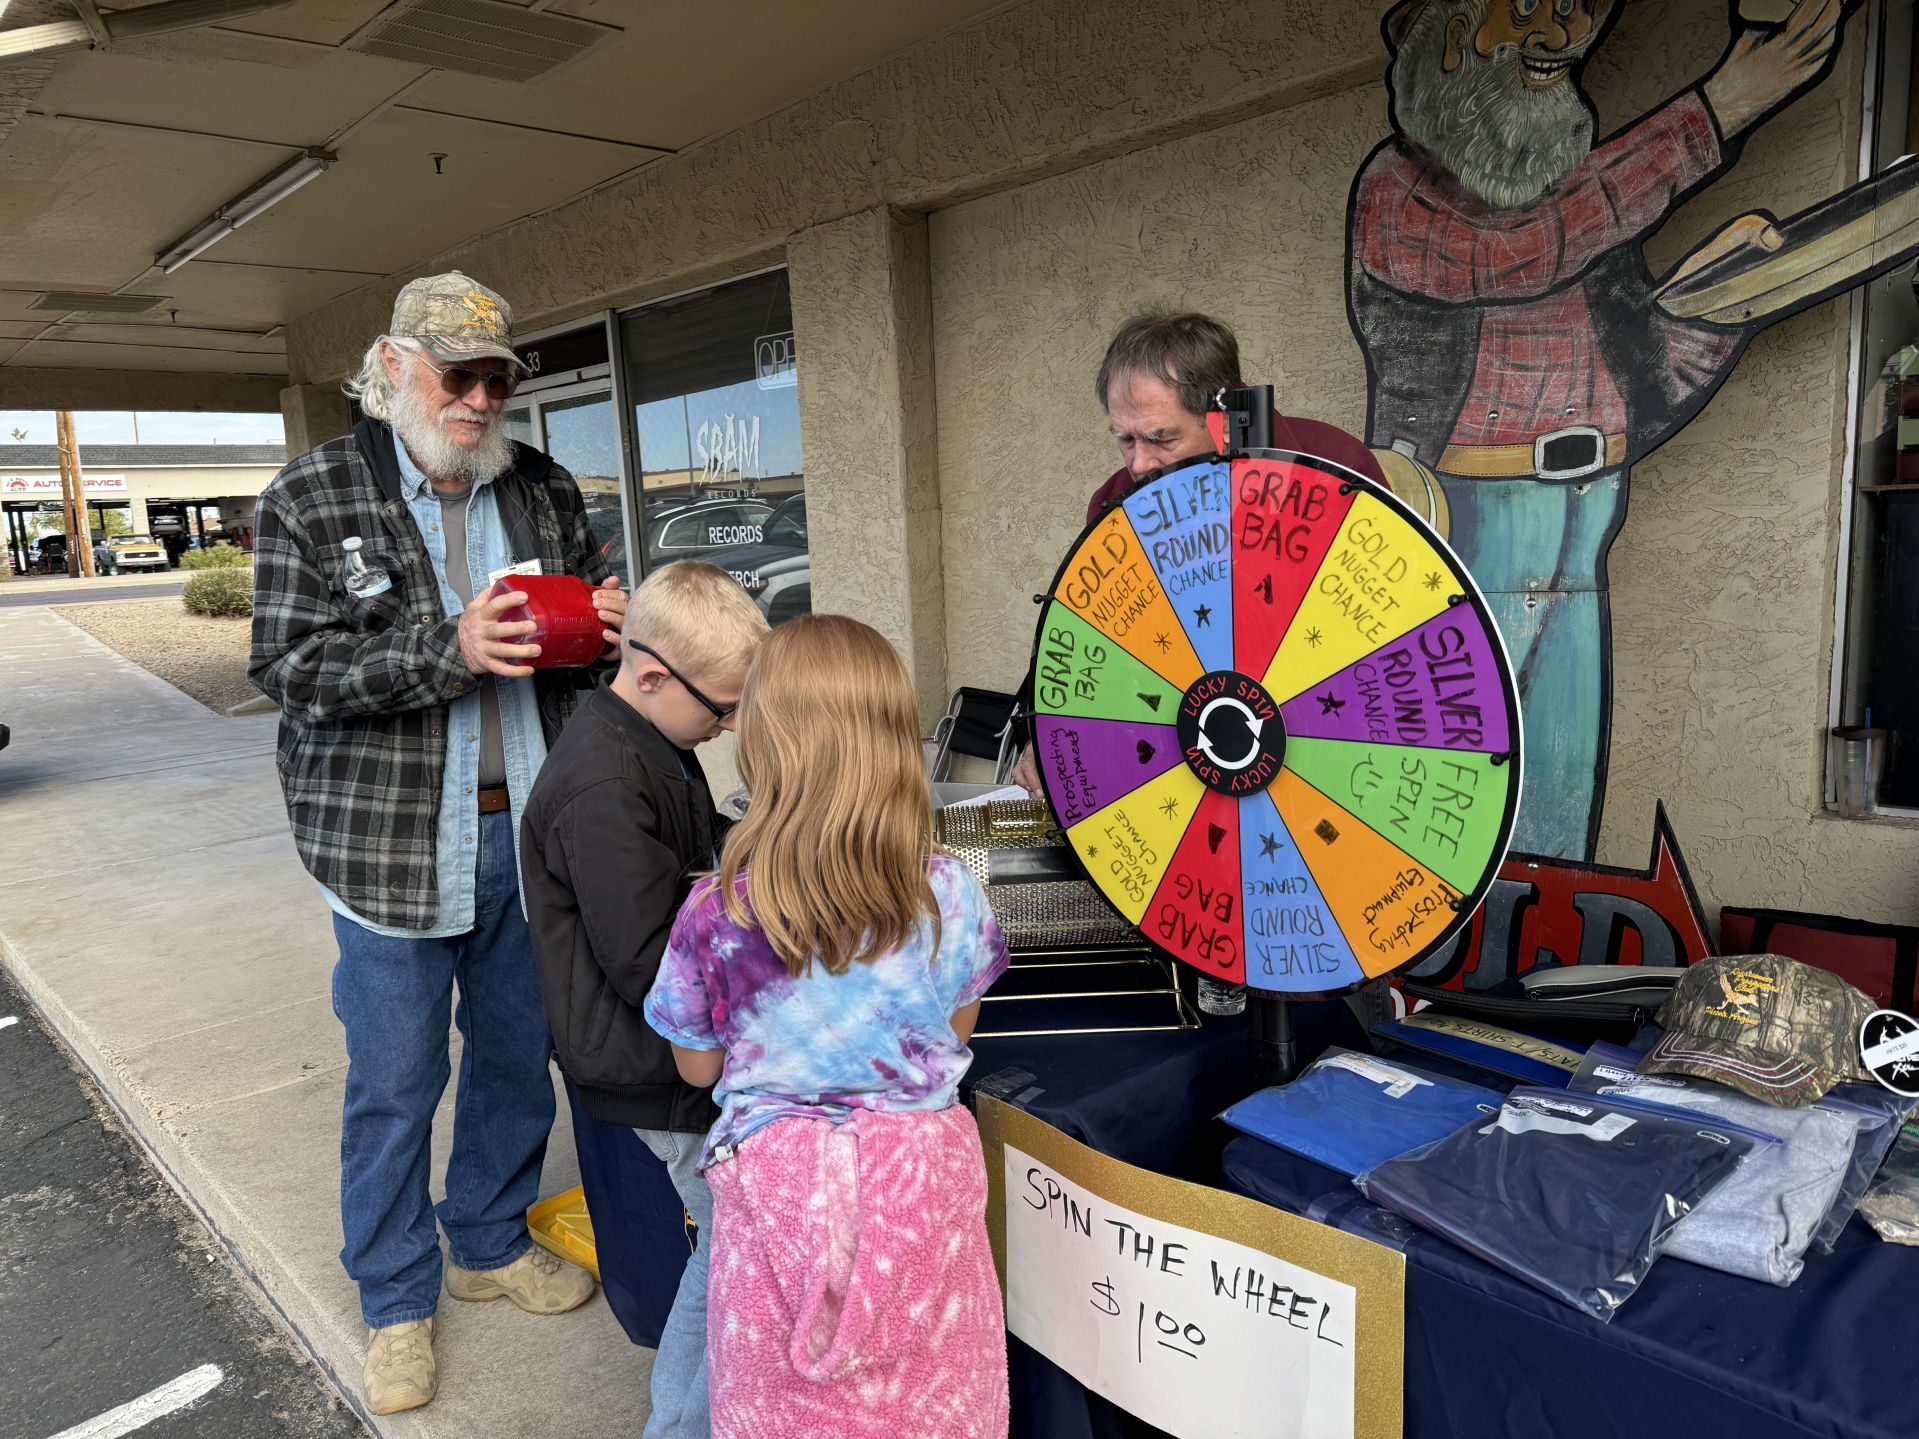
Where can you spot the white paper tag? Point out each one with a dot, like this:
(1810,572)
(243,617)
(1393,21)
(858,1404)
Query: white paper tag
(524,567)
(1397,1081)
(1532,1115)
(1886,1051)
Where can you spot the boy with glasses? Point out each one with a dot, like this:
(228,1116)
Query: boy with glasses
(619,823)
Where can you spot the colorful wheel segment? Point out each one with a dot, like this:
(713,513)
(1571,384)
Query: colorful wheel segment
(1276,721)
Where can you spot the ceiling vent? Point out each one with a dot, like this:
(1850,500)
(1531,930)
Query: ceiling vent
(66,301)
(478,37)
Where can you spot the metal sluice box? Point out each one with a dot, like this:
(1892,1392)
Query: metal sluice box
(1077,966)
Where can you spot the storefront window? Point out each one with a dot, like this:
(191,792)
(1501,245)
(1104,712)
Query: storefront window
(1880,682)
(712,379)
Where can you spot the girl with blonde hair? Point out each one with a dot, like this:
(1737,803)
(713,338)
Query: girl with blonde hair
(828,978)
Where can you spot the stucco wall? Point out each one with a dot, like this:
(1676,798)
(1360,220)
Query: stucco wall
(1722,577)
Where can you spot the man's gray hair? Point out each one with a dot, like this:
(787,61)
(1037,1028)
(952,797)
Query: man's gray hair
(372,386)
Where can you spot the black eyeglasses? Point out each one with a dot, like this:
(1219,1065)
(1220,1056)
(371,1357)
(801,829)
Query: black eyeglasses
(720,712)
(459,380)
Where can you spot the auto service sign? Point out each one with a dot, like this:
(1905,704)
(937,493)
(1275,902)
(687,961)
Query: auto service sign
(41,486)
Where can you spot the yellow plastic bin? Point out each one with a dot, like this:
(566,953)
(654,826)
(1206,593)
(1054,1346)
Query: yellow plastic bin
(562,1225)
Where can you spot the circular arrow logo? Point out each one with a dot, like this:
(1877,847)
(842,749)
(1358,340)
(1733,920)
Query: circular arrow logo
(1231,733)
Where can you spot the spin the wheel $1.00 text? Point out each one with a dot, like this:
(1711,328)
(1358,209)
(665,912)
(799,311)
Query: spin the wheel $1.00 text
(1276,721)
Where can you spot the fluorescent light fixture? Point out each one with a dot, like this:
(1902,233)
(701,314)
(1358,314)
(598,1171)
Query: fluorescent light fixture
(126,24)
(57,36)
(244,207)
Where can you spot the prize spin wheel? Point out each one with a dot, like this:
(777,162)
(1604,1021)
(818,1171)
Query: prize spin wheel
(1278,725)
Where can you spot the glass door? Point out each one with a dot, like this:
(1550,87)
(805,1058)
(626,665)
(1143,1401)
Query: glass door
(577,425)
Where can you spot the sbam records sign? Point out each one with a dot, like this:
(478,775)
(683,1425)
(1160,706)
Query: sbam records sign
(1276,721)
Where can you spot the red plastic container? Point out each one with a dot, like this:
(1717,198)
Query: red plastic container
(569,633)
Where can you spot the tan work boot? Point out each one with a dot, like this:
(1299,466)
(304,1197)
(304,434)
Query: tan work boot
(400,1372)
(538,1281)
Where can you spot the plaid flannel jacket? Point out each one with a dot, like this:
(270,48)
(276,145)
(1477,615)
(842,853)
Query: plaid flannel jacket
(363,685)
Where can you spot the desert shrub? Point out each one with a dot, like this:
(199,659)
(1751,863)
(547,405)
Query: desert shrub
(220,593)
(220,557)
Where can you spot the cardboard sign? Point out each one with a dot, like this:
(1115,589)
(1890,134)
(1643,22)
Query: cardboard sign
(1577,913)
(1204,1313)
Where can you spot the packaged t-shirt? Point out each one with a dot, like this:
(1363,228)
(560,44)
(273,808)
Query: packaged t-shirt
(1573,1193)
(1761,1221)
(1351,1111)
(1880,1112)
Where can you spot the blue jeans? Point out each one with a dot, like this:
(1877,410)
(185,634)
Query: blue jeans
(682,1408)
(393,996)
(1538,551)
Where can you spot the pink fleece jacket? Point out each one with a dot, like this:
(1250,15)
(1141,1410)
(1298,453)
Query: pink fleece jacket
(852,1293)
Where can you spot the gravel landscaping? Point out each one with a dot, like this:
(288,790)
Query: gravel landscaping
(207,658)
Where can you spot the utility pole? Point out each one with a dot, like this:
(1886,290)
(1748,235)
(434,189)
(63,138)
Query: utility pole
(73,498)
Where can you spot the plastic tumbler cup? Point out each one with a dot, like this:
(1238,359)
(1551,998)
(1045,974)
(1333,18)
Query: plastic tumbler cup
(562,606)
(1858,757)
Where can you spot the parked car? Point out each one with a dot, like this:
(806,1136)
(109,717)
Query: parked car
(52,550)
(137,552)
(679,530)
(777,571)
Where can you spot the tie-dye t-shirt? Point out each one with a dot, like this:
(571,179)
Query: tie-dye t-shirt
(879,1036)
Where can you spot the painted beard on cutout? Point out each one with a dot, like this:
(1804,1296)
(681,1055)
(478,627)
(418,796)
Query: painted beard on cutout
(436,451)
(1508,141)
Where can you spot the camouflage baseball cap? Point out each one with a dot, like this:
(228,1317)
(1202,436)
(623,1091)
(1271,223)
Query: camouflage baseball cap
(454,317)
(1766,1025)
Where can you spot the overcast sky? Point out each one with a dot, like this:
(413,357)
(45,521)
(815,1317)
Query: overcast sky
(156,427)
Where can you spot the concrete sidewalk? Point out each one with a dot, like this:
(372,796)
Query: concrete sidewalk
(152,906)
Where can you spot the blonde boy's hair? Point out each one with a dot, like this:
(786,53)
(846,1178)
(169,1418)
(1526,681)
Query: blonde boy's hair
(698,617)
(836,844)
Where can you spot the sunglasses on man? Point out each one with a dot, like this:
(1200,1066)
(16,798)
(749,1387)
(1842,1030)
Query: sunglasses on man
(719,711)
(459,380)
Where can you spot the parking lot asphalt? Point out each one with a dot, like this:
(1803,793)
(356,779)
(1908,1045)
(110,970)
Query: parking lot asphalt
(113,1296)
(90,592)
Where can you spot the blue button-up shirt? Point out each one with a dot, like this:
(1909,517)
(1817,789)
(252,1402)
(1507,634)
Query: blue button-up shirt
(457,851)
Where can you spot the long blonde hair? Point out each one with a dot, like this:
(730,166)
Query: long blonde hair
(836,842)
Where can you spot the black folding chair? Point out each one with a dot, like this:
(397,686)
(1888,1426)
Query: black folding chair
(978,723)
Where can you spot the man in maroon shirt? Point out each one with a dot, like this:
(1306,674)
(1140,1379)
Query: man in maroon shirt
(1153,385)
(1153,382)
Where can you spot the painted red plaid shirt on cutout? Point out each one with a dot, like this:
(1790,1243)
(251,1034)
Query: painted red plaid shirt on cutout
(1538,367)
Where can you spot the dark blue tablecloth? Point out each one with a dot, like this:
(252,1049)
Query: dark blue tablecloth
(640,1231)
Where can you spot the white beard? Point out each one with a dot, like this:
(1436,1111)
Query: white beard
(435,451)
(1507,142)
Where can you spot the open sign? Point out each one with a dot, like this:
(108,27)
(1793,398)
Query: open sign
(775,361)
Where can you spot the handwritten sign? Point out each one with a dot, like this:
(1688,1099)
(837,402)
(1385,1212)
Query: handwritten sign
(1203,1313)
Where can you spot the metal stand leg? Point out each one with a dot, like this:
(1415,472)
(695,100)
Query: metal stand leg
(1270,1052)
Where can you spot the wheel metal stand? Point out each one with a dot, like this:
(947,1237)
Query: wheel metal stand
(1271,1054)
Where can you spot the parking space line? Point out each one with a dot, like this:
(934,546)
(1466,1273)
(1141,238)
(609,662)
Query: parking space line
(155,1404)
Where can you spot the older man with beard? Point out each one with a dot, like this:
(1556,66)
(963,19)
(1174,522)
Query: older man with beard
(411,729)
(1511,330)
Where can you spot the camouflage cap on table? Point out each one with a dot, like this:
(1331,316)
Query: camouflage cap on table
(1764,1024)
(454,317)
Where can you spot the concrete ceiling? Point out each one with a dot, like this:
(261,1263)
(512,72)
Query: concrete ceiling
(115,153)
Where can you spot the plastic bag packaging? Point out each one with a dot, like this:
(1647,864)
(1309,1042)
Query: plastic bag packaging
(1759,1223)
(1891,1205)
(1880,1113)
(1603,1064)
(1575,1194)
(1351,1111)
